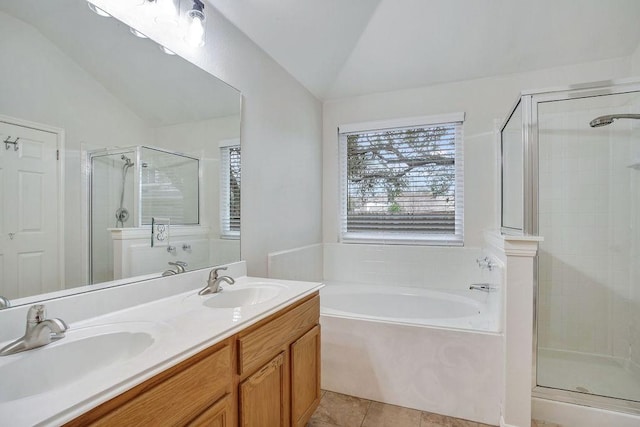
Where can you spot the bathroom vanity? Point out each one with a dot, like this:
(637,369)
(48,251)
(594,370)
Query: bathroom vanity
(247,356)
(267,374)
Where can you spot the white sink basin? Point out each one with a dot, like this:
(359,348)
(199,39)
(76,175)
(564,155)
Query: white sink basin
(241,297)
(82,352)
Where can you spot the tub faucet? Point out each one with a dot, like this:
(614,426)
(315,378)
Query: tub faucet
(213,284)
(40,331)
(484,287)
(485,263)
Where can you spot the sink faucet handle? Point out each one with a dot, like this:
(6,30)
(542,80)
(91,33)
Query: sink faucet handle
(214,273)
(36,314)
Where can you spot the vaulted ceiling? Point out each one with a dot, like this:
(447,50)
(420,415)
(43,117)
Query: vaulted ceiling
(339,48)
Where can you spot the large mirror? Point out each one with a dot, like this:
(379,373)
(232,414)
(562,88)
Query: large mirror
(116,157)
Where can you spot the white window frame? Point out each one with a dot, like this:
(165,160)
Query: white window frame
(225,208)
(455,239)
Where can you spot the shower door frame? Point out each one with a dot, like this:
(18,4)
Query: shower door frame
(89,186)
(529,101)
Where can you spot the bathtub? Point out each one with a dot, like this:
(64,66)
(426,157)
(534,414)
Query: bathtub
(433,350)
(466,309)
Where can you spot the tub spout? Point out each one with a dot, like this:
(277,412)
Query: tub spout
(485,287)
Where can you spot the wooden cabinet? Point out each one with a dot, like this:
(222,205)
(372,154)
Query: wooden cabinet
(305,377)
(266,375)
(292,336)
(263,396)
(174,397)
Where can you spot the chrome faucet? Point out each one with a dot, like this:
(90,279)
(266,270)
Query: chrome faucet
(484,287)
(40,331)
(213,284)
(4,303)
(180,268)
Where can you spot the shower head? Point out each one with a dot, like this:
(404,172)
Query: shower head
(127,161)
(607,120)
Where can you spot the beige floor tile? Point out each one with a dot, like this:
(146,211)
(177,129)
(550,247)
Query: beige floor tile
(339,410)
(538,423)
(382,415)
(458,422)
(429,419)
(315,423)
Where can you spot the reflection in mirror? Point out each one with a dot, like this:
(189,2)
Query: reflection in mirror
(104,133)
(512,201)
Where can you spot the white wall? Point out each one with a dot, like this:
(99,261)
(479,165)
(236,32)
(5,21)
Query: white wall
(483,100)
(281,133)
(66,97)
(635,62)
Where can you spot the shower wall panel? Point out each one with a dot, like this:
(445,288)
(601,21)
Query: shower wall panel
(588,213)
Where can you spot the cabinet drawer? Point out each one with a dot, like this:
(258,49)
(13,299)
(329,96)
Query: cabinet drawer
(178,398)
(258,346)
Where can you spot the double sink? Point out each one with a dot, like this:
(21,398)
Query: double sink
(89,351)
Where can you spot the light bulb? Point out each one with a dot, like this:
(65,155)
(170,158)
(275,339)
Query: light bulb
(166,11)
(137,33)
(95,9)
(168,52)
(195,33)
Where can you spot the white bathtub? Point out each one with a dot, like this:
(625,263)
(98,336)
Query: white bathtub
(436,351)
(465,309)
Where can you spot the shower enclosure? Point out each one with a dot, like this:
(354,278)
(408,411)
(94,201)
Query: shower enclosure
(128,187)
(571,174)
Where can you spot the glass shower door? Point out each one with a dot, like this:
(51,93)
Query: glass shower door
(111,206)
(588,310)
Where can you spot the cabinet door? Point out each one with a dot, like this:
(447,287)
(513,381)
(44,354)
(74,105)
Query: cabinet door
(262,396)
(305,376)
(217,415)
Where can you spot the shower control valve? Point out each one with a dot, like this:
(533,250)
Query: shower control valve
(485,263)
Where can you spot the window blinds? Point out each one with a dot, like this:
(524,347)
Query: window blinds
(230,191)
(403,184)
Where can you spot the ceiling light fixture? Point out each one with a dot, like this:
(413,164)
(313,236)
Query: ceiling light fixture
(195,22)
(166,11)
(165,50)
(191,27)
(137,33)
(95,9)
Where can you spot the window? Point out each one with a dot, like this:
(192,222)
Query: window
(230,190)
(402,181)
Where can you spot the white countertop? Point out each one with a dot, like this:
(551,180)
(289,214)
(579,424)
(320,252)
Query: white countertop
(181,326)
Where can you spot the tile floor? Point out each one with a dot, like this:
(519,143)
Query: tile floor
(340,410)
